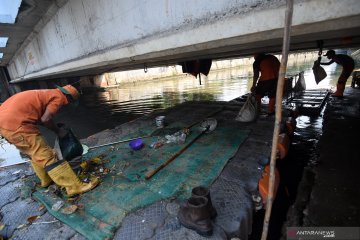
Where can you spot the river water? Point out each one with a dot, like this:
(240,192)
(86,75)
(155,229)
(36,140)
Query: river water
(101,109)
(224,85)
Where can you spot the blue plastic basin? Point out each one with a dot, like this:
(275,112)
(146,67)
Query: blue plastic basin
(136,144)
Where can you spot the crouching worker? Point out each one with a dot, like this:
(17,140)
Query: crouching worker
(19,117)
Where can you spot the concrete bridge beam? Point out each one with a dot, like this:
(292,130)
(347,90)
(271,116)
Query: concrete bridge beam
(92,37)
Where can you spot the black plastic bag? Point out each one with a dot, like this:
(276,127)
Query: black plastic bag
(70,145)
(197,66)
(319,72)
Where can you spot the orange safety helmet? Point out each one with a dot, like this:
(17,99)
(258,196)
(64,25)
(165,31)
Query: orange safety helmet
(71,92)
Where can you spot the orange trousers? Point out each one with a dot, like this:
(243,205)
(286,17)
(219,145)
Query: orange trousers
(31,144)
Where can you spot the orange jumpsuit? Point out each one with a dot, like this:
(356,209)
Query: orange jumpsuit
(19,117)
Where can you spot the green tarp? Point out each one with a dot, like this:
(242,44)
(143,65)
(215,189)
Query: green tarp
(124,188)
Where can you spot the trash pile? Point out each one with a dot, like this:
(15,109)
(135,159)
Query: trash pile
(94,167)
(178,137)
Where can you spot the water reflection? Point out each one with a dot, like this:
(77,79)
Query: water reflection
(145,96)
(142,97)
(9,154)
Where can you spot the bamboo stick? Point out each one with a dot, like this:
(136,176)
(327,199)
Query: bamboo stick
(278,112)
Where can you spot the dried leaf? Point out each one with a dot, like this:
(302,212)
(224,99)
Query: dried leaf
(2,226)
(32,218)
(81,206)
(41,207)
(72,199)
(84,166)
(82,176)
(70,209)
(96,160)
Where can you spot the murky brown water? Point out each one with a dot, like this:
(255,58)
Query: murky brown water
(136,99)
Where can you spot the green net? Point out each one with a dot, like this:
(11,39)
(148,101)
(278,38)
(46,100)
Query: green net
(124,188)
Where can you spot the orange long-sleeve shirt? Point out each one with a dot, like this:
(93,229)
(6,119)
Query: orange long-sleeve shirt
(25,109)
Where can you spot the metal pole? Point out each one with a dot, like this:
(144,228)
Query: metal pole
(279,95)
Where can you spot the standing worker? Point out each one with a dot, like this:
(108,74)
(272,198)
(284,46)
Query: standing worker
(19,117)
(348,65)
(269,67)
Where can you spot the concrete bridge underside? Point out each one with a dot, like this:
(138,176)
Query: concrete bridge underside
(78,37)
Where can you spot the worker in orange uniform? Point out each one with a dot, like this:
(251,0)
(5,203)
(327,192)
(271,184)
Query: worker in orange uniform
(19,117)
(348,65)
(268,65)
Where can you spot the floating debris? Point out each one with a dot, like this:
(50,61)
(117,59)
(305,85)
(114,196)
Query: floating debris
(96,160)
(46,222)
(177,138)
(32,219)
(17,172)
(21,226)
(157,144)
(85,166)
(56,207)
(69,210)
(257,200)
(81,206)
(72,199)
(53,189)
